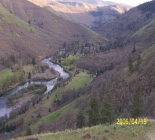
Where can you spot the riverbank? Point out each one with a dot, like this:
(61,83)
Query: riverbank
(49,84)
(25,95)
(63,66)
(47,75)
(49,109)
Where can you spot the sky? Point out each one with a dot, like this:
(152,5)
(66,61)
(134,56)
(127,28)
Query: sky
(129,2)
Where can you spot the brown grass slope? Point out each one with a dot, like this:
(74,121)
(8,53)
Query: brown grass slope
(45,33)
(128,23)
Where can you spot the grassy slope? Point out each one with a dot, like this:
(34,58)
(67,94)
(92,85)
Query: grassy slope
(28,68)
(15,32)
(5,74)
(144,35)
(10,18)
(148,52)
(103,132)
(79,81)
(143,29)
(82,80)
(52,117)
(144,55)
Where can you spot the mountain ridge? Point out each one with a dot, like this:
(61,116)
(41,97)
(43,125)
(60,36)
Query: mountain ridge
(84,13)
(126,25)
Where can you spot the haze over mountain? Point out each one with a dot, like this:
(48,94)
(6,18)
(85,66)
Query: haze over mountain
(88,13)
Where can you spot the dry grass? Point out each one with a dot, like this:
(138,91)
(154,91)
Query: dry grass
(102,132)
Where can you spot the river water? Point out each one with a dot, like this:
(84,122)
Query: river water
(4,109)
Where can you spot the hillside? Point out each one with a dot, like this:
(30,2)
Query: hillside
(88,14)
(145,35)
(123,27)
(27,29)
(77,94)
(114,85)
(107,82)
(103,132)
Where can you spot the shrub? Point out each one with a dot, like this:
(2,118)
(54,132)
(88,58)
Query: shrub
(106,130)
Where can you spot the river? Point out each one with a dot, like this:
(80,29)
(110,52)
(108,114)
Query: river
(4,109)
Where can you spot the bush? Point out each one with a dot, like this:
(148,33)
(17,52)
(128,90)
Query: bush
(123,126)
(23,90)
(60,79)
(28,131)
(114,128)
(71,69)
(106,130)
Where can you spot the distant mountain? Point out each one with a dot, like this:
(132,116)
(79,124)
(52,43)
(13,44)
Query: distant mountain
(88,13)
(96,2)
(127,26)
(85,1)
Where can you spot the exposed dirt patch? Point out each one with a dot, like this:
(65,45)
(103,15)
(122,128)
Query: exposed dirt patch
(54,107)
(47,74)
(40,110)
(23,100)
(151,136)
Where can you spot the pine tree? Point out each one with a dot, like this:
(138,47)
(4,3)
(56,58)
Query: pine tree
(75,52)
(33,103)
(29,75)
(29,21)
(7,128)
(80,120)
(139,60)
(28,131)
(64,46)
(107,112)
(11,127)
(39,129)
(134,49)
(59,61)
(14,126)
(130,65)
(33,61)
(93,113)
(138,105)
